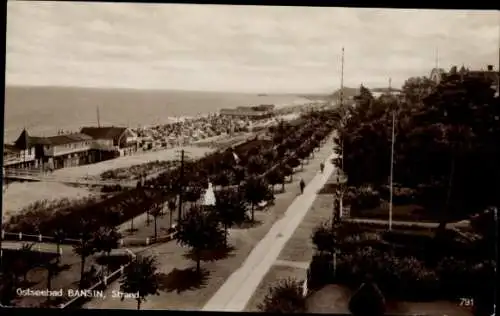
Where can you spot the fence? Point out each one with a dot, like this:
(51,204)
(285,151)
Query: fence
(124,242)
(9,236)
(100,286)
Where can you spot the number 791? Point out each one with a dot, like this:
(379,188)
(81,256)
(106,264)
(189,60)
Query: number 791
(466,302)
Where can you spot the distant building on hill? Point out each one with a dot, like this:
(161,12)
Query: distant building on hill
(250,112)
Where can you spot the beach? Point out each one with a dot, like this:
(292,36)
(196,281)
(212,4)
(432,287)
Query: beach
(45,110)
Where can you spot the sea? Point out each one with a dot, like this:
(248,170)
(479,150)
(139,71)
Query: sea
(44,111)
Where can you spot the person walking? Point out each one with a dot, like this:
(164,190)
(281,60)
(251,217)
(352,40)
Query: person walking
(302,186)
(321,167)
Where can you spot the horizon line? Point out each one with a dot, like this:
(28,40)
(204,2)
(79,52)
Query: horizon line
(165,89)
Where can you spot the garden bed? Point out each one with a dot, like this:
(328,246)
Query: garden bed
(408,265)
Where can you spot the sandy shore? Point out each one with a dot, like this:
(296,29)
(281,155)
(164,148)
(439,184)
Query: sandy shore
(21,194)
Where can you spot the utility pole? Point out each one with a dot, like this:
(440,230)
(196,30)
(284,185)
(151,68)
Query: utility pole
(342,79)
(392,161)
(341,196)
(98,117)
(181,182)
(181,186)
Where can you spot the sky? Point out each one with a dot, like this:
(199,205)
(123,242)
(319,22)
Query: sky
(238,48)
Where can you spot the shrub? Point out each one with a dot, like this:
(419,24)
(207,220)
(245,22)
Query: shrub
(362,198)
(405,278)
(111,188)
(323,238)
(400,195)
(285,297)
(412,239)
(320,271)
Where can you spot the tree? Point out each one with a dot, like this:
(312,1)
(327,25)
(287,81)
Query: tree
(441,132)
(285,297)
(86,247)
(200,231)
(416,89)
(274,177)
(53,269)
(288,171)
(302,154)
(324,238)
(140,278)
(59,237)
(255,191)
(8,288)
(193,192)
(106,239)
(256,165)
(171,208)
(156,211)
(230,209)
(293,162)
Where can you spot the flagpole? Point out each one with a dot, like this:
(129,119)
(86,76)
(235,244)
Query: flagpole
(392,161)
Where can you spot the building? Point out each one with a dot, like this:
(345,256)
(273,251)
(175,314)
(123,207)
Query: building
(23,157)
(119,139)
(47,152)
(438,74)
(250,112)
(92,144)
(62,151)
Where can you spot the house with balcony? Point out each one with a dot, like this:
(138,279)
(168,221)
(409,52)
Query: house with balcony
(120,140)
(63,151)
(19,156)
(53,152)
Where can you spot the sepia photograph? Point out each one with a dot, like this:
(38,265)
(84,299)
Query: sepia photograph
(243,158)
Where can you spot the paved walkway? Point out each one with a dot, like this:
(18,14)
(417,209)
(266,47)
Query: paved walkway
(239,288)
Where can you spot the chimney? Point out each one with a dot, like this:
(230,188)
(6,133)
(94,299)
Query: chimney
(490,67)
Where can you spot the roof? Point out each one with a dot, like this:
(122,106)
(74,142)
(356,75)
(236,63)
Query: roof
(25,141)
(63,139)
(10,148)
(111,132)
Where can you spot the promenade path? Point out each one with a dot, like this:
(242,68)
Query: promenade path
(239,288)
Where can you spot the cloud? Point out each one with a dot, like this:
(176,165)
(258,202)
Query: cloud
(237,48)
